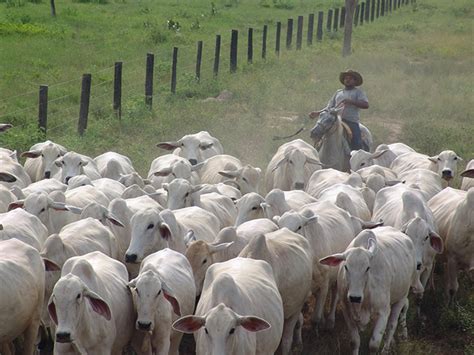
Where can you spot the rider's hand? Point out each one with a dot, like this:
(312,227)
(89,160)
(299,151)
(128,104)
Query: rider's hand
(314,114)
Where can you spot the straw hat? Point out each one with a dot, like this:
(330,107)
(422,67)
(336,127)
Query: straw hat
(354,74)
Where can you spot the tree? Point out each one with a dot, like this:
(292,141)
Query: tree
(349,19)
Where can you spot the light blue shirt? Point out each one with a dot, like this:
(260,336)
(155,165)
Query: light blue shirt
(350,112)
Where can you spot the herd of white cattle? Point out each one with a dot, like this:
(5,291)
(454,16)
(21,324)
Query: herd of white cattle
(104,260)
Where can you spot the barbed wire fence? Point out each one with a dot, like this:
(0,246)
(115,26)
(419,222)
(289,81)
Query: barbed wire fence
(66,106)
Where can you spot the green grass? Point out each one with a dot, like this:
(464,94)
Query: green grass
(417,66)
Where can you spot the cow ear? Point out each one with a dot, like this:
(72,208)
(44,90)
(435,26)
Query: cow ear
(52,311)
(50,265)
(189,324)
(16,204)
(171,299)
(98,304)
(114,220)
(433,159)
(197,166)
(372,246)
(229,173)
(214,248)
(333,260)
(436,242)
(253,324)
(469,173)
(164,231)
(168,145)
(7,177)
(280,163)
(31,154)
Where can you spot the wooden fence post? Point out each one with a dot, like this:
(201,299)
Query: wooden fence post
(329,23)
(319,31)
(250,46)
(233,50)
(278,36)
(362,13)
(356,15)
(367,10)
(372,11)
(336,19)
(289,33)
(217,55)
(118,89)
(264,42)
(343,17)
(299,33)
(198,61)
(150,61)
(43,108)
(173,70)
(85,99)
(310,29)
(382,8)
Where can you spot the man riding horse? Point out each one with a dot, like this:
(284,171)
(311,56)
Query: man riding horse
(351,99)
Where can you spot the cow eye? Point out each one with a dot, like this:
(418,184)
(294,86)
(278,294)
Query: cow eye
(78,296)
(58,155)
(455,158)
(150,226)
(426,238)
(367,269)
(232,331)
(245,179)
(299,228)
(42,155)
(158,293)
(439,159)
(362,164)
(205,329)
(187,194)
(204,261)
(254,208)
(345,267)
(42,210)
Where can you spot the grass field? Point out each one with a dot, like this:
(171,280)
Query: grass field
(417,64)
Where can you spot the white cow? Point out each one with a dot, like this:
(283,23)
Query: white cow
(249,207)
(40,160)
(291,166)
(195,147)
(77,238)
(228,244)
(111,188)
(12,173)
(468,176)
(92,306)
(163,291)
(376,272)
(229,169)
(73,164)
(404,208)
(348,198)
(278,201)
(383,156)
(153,230)
(322,179)
(444,164)
(21,294)
(170,166)
(182,194)
(6,198)
(290,256)
(240,311)
(133,179)
(21,225)
(45,185)
(329,229)
(427,181)
(377,177)
(113,165)
(454,214)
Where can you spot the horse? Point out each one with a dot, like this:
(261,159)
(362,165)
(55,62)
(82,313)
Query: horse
(333,137)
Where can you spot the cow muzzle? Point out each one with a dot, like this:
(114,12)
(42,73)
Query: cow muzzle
(63,337)
(447,174)
(145,326)
(299,186)
(193,161)
(47,174)
(131,258)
